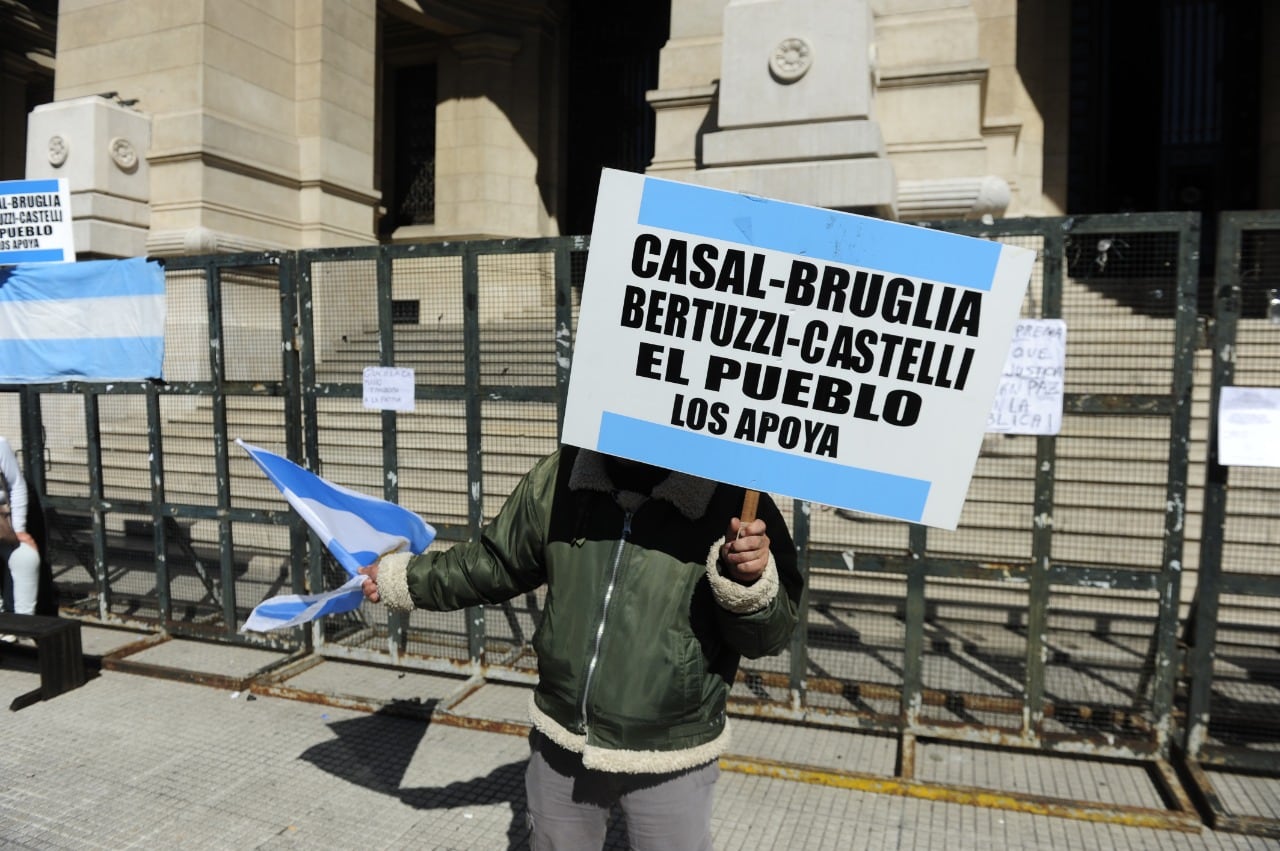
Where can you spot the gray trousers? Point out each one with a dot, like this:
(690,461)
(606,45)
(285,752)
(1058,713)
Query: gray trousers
(569,804)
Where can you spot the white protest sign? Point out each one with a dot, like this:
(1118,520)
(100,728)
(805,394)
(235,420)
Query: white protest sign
(824,356)
(1029,397)
(1249,427)
(388,388)
(35,222)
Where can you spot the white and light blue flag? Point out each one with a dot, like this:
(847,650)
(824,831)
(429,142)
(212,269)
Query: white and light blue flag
(98,320)
(357,529)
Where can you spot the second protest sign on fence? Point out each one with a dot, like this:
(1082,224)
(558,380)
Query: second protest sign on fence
(811,353)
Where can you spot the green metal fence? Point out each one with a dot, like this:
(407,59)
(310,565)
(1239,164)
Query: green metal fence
(1056,618)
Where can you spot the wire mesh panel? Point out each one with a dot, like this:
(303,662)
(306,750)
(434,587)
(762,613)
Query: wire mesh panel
(344,310)
(439,635)
(1234,633)
(1109,491)
(975,652)
(186,325)
(427,318)
(1101,663)
(477,323)
(66,472)
(249,311)
(855,638)
(517,319)
(348,443)
(125,480)
(517,328)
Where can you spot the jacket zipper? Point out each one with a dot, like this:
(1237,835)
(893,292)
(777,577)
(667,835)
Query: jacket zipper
(604,616)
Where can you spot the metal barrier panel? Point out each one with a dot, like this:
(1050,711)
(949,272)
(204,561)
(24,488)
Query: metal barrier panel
(486,329)
(1233,635)
(1047,619)
(154,519)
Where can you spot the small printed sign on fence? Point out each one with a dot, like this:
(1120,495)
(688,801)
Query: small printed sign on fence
(388,388)
(806,352)
(1249,427)
(35,222)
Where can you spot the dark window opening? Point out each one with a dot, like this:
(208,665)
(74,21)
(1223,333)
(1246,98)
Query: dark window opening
(405,311)
(409,173)
(1164,110)
(613,63)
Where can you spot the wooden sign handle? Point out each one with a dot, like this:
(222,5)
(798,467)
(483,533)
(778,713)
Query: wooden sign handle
(749,500)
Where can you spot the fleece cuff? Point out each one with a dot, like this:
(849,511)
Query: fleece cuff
(393,582)
(736,597)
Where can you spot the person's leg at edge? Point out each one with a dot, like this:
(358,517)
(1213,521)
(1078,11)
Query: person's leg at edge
(558,818)
(672,813)
(24,568)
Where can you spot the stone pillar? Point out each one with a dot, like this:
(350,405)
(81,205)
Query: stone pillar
(488,139)
(794,115)
(335,92)
(98,146)
(262,114)
(688,66)
(933,87)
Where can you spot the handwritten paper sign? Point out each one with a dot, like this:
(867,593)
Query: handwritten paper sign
(388,388)
(1029,398)
(1249,427)
(820,355)
(35,222)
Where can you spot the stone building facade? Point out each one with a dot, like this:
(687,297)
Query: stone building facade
(190,126)
(196,126)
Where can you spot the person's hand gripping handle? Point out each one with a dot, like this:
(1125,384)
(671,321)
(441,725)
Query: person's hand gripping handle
(745,552)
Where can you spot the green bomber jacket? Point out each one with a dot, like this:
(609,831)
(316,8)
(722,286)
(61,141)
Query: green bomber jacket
(641,634)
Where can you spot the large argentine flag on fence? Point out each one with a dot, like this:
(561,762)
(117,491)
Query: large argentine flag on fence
(357,529)
(99,320)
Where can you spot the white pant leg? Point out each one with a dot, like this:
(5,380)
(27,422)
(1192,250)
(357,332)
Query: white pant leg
(24,567)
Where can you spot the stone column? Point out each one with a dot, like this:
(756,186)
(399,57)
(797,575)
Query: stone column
(933,86)
(262,114)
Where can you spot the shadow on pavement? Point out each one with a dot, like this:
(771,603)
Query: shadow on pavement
(374,752)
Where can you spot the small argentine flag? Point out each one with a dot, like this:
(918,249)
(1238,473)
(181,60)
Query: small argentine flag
(357,529)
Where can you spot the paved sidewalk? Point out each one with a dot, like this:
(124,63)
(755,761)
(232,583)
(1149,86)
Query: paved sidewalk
(130,761)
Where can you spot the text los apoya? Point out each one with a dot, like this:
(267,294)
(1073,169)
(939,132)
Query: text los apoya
(842,347)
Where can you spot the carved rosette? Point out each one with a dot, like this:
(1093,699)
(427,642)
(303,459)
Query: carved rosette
(791,59)
(59,150)
(123,154)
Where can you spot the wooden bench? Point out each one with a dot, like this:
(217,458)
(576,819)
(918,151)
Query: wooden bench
(58,649)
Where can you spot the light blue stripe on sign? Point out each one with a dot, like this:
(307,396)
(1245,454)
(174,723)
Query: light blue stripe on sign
(34,255)
(779,472)
(27,187)
(820,235)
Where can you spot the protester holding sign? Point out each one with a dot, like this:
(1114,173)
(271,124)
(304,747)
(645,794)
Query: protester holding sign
(812,353)
(654,590)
